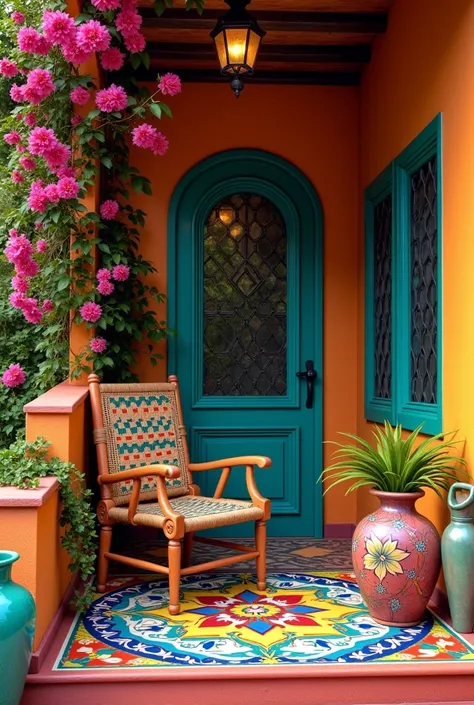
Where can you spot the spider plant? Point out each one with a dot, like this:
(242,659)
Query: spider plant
(394,464)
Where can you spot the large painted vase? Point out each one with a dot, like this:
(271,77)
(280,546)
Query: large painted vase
(397,558)
(17,628)
(457,550)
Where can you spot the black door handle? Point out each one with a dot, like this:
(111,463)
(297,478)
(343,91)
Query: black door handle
(310,374)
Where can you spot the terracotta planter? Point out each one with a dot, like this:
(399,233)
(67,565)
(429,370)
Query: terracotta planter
(397,558)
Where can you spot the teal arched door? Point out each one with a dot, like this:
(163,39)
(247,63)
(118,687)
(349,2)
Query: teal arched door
(245,297)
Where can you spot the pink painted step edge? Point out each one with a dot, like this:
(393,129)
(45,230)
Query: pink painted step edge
(64,398)
(14,497)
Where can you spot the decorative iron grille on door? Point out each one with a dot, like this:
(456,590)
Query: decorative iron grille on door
(245,298)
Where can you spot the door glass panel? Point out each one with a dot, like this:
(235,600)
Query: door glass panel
(245,298)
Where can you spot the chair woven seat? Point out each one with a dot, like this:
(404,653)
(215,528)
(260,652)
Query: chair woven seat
(199,513)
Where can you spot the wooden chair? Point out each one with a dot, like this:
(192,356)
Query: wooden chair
(145,480)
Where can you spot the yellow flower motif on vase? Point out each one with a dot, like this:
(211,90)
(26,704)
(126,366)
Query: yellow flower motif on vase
(384,557)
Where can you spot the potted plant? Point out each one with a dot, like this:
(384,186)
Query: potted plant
(395,551)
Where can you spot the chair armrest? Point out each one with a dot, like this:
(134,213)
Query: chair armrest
(166,471)
(174,520)
(260,460)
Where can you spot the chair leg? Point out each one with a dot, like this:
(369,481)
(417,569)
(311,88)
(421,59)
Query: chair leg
(174,564)
(188,548)
(103,568)
(261,546)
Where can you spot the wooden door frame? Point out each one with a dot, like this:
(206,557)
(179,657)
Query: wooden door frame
(283,176)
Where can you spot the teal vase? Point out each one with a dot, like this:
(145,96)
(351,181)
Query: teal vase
(17,628)
(457,550)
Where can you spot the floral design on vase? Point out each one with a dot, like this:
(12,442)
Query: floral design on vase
(396,558)
(383,557)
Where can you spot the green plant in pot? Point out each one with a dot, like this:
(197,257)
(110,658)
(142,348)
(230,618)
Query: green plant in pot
(396,551)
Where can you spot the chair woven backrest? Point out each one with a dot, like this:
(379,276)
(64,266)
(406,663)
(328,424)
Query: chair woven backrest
(143,426)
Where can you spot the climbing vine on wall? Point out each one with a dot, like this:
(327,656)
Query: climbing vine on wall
(62,130)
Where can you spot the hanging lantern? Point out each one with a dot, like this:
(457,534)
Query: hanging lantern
(237,37)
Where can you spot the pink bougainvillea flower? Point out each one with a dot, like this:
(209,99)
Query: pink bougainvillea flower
(8,68)
(17,93)
(12,137)
(170,84)
(51,193)
(93,36)
(73,53)
(160,145)
(148,137)
(104,274)
(20,148)
(31,310)
(32,42)
(66,171)
(18,17)
(41,140)
(112,99)
(39,225)
(98,345)
(105,287)
(128,21)
(144,136)
(121,272)
(17,177)
(13,376)
(18,247)
(37,200)
(79,95)
(47,306)
(41,245)
(135,42)
(39,85)
(105,5)
(109,209)
(16,299)
(68,187)
(112,59)
(57,156)
(20,284)
(58,26)
(30,119)
(76,119)
(90,312)
(27,163)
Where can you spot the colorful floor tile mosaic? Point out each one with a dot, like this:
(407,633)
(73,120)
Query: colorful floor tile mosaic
(302,619)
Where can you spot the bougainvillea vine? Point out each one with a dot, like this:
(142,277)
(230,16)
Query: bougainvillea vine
(63,126)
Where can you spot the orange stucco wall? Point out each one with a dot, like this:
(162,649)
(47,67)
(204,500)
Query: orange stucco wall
(44,563)
(419,69)
(315,128)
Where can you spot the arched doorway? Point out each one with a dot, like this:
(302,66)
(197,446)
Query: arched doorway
(245,296)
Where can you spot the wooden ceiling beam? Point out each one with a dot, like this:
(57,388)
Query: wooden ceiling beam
(270,52)
(342,22)
(295,78)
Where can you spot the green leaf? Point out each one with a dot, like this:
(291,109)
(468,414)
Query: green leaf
(63,283)
(135,60)
(159,7)
(147,188)
(137,183)
(93,114)
(145,59)
(107,162)
(166,109)
(155,109)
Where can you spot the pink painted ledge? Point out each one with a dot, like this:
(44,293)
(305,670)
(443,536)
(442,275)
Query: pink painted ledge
(14,497)
(62,399)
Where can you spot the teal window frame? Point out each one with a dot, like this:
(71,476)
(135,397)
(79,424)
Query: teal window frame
(395,179)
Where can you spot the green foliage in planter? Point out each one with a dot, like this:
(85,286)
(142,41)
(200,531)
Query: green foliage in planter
(22,465)
(394,464)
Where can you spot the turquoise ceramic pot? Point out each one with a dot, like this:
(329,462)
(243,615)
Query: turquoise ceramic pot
(17,628)
(457,548)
